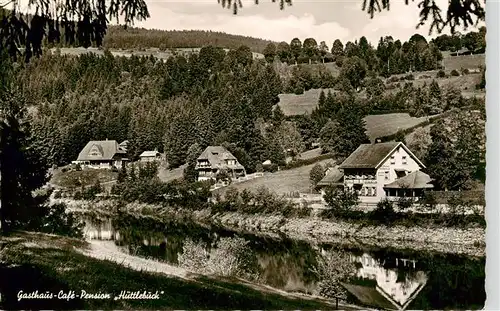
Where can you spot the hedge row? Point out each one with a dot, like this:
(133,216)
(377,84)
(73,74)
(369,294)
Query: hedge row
(410,129)
(303,162)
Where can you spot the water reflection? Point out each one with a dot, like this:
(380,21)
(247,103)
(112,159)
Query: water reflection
(384,279)
(392,289)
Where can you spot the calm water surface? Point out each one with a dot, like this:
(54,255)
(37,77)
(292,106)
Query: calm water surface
(385,278)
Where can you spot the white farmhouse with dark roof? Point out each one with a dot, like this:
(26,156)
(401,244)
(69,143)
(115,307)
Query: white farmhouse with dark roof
(102,154)
(384,169)
(216,159)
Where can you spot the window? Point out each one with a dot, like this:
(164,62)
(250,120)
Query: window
(404,160)
(374,191)
(393,160)
(386,175)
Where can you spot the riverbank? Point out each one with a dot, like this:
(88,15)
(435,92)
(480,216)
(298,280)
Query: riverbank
(444,240)
(469,241)
(33,261)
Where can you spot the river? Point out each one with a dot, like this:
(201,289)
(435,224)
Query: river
(382,278)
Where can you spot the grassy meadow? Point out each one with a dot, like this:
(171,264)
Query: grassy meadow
(85,177)
(281,182)
(463,61)
(387,124)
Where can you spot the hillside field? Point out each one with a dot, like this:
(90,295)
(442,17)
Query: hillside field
(464,61)
(467,83)
(163,55)
(386,124)
(281,182)
(167,175)
(293,105)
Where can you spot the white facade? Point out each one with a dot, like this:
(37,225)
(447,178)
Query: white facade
(370,182)
(149,159)
(400,160)
(150,156)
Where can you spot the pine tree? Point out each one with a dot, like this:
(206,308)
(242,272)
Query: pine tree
(321,100)
(440,156)
(193,153)
(328,136)
(23,169)
(351,131)
(316,174)
(278,115)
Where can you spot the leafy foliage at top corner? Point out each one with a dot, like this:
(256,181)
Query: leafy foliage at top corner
(79,23)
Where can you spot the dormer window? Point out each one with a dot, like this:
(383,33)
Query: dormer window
(95,152)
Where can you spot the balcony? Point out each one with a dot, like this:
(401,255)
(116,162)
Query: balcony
(203,165)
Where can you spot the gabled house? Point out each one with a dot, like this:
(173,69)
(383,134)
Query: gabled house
(217,159)
(102,154)
(149,156)
(373,167)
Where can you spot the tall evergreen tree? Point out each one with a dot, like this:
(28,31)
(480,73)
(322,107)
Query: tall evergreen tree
(23,170)
(440,157)
(351,131)
(193,153)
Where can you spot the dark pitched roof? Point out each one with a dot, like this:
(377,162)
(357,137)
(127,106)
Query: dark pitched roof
(217,155)
(369,296)
(107,150)
(368,155)
(333,176)
(415,180)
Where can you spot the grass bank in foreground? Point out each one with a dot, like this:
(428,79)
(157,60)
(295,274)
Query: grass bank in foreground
(31,261)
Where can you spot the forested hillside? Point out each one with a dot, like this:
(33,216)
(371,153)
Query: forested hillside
(118,37)
(184,104)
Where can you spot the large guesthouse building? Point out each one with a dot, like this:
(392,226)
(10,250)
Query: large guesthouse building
(215,160)
(102,154)
(377,171)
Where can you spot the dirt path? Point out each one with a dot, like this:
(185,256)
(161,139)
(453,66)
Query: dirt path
(107,250)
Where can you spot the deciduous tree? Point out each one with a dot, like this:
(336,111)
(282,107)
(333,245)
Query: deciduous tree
(270,52)
(354,70)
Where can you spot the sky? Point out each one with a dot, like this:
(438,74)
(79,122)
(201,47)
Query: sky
(323,20)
